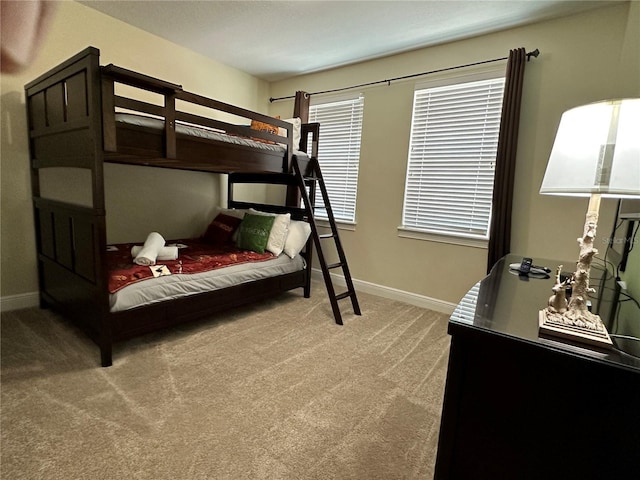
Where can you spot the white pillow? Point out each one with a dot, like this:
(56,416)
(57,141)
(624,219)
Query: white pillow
(279,231)
(297,127)
(298,234)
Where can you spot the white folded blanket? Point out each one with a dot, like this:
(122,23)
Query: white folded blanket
(150,250)
(165,253)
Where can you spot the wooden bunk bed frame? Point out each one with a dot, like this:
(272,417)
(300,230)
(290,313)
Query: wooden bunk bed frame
(72,123)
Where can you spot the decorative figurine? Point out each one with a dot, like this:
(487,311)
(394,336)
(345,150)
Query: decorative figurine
(558,301)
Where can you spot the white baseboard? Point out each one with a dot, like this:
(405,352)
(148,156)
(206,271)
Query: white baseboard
(17,302)
(392,293)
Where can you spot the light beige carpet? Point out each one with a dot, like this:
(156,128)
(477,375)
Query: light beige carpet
(272,391)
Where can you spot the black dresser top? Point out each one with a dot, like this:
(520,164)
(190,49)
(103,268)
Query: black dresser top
(507,304)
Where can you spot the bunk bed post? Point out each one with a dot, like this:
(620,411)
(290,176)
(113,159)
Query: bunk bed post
(35,193)
(229,192)
(95,87)
(94,94)
(308,130)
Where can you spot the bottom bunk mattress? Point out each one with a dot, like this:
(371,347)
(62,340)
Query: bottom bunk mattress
(198,268)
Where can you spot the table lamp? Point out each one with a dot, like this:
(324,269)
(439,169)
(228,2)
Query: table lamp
(596,153)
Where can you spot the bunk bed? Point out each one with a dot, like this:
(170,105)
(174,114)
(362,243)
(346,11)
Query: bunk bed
(77,119)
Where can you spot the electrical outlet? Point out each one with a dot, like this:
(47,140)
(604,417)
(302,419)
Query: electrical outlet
(623,284)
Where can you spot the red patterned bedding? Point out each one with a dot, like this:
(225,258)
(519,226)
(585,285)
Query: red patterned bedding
(196,257)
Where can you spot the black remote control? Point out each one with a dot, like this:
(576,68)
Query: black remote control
(525,265)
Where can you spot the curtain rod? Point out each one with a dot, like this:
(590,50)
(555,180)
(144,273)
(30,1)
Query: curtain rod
(534,53)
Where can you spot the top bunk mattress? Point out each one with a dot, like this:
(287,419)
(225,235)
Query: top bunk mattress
(204,133)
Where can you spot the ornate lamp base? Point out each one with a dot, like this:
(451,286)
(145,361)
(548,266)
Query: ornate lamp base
(589,330)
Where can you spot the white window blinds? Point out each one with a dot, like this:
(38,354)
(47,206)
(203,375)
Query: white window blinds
(465,311)
(452,152)
(339,154)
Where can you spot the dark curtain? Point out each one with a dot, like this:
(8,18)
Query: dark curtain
(300,109)
(301,106)
(500,230)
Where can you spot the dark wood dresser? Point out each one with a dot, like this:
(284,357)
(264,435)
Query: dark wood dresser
(520,406)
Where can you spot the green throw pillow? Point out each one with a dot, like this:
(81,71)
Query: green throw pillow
(254,232)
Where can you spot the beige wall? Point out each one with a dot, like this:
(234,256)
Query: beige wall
(584,58)
(182,202)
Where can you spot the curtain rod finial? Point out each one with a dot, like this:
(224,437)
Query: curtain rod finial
(535,53)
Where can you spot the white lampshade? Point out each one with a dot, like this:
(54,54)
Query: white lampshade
(596,150)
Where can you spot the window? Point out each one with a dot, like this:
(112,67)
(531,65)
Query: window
(452,153)
(339,154)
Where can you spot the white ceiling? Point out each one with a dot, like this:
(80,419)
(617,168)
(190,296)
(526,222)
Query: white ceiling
(279,39)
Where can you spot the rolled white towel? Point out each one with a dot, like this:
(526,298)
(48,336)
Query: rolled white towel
(166,253)
(149,252)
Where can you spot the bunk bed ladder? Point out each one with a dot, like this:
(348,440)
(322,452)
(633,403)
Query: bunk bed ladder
(303,182)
